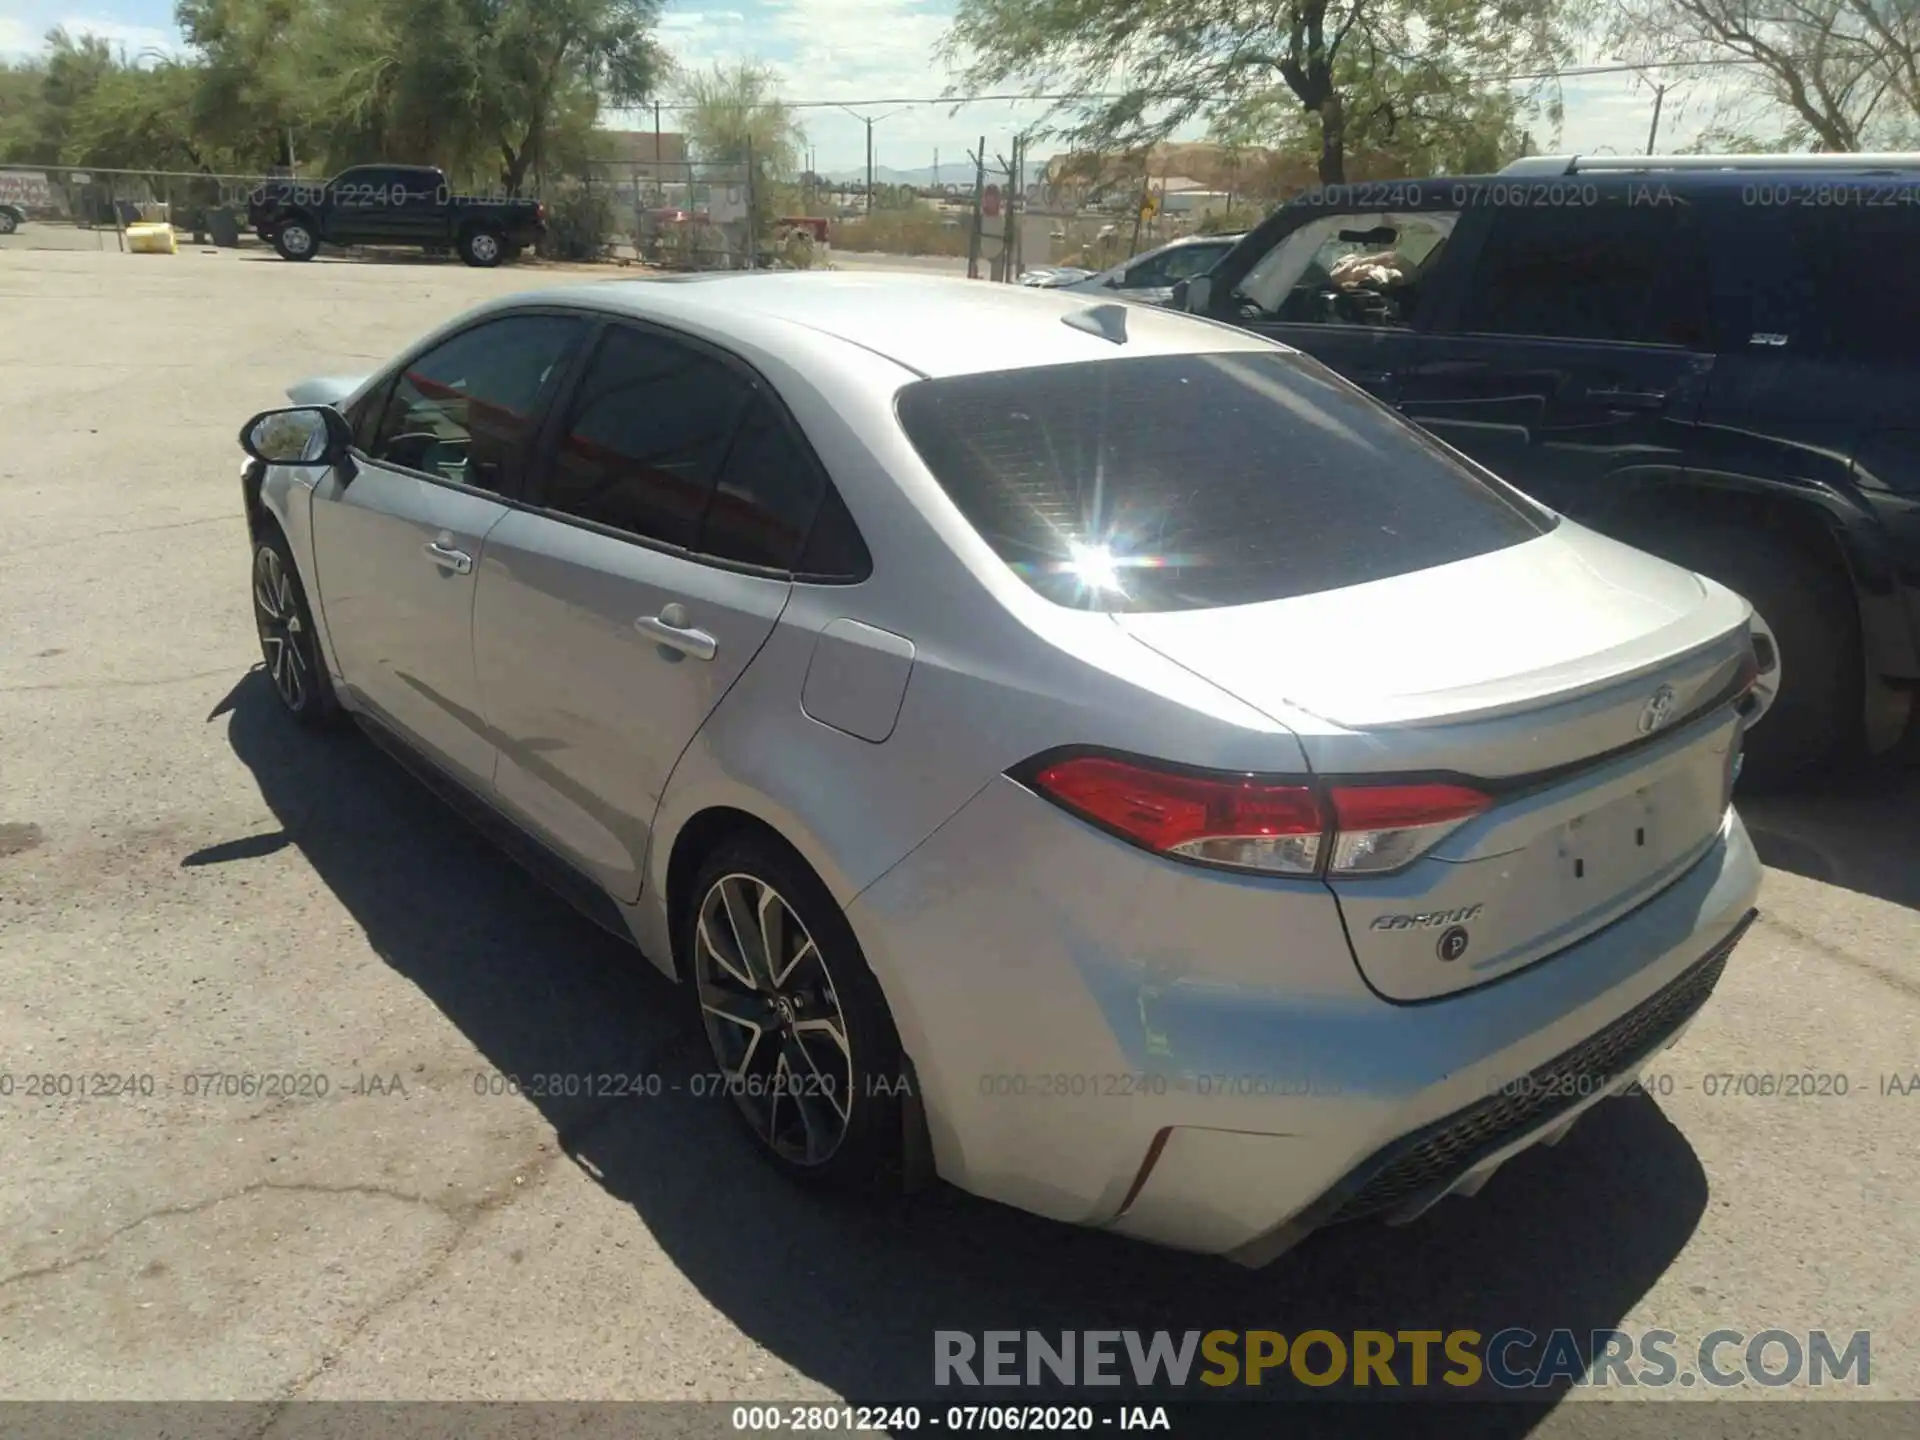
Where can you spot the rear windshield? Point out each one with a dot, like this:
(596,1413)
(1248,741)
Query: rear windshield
(1182,482)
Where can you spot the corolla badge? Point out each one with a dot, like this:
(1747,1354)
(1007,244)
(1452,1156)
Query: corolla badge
(1658,710)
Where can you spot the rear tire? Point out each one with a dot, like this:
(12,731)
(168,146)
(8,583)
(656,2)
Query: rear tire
(1818,719)
(804,1047)
(295,240)
(7,223)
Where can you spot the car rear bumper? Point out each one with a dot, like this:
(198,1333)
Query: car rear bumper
(1191,1057)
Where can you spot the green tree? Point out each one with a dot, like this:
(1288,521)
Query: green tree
(736,111)
(487,89)
(1338,74)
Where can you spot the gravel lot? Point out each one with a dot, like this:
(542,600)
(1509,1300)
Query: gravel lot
(187,885)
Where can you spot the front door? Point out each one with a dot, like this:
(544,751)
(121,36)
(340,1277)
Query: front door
(616,611)
(397,543)
(1351,290)
(1579,351)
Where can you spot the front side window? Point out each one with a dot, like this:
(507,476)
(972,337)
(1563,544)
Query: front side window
(1355,269)
(1183,482)
(465,410)
(1615,271)
(650,424)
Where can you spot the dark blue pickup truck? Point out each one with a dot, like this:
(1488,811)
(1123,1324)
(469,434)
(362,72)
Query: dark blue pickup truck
(391,205)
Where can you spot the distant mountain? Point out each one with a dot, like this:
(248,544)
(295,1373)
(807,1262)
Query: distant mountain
(952,172)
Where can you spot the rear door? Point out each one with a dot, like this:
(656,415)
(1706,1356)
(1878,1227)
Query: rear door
(1817,392)
(618,608)
(1352,289)
(418,200)
(397,545)
(1580,346)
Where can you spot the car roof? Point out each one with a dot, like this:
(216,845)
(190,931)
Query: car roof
(931,325)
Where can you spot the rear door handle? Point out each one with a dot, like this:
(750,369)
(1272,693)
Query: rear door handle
(448,558)
(672,629)
(1644,400)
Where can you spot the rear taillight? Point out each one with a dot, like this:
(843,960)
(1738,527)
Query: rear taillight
(1237,820)
(1378,828)
(1252,822)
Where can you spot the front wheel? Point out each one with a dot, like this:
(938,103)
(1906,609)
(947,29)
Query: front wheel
(804,1047)
(483,248)
(7,223)
(295,240)
(289,644)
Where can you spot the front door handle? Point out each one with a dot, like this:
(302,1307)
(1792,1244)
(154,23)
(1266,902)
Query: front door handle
(672,629)
(448,558)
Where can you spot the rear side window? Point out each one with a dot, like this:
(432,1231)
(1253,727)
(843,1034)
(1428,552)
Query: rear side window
(765,497)
(650,425)
(1860,266)
(1613,271)
(1190,481)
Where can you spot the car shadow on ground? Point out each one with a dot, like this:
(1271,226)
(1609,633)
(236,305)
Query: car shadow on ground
(851,1293)
(1860,831)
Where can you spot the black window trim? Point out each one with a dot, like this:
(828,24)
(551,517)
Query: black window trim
(560,381)
(559,414)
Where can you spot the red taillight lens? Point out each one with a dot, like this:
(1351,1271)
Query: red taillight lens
(1383,827)
(1235,820)
(1249,822)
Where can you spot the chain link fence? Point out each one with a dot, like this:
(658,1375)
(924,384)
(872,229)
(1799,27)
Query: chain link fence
(207,206)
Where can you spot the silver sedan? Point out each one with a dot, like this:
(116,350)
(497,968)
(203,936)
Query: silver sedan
(1092,754)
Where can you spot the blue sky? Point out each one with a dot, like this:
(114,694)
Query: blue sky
(853,50)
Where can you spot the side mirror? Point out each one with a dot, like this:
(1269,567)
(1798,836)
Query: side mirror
(1193,295)
(300,435)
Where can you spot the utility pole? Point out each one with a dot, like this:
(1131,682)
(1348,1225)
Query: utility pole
(979,158)
(869,120)
(1653,131)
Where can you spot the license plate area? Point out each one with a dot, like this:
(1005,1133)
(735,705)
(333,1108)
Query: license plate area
(1640,830)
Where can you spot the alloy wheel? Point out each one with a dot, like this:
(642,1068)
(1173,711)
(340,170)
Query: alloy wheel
(297,239)
(774,1019)
(276,610)
(484,248)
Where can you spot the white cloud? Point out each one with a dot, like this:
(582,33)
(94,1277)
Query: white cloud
(18,39)
(23,39)
(136,40)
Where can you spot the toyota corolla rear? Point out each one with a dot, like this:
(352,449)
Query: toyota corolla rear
(1476,863)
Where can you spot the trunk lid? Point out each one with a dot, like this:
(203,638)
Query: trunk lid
(1584,686)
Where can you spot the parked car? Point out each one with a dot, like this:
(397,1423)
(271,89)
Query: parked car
(1207,862)
(1052,277)
(1711,356)
(391,205)
(1151,276)
(12,217)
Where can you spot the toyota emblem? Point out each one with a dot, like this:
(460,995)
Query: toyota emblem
(1658,710)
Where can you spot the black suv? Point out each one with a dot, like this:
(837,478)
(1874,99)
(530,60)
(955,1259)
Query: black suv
(1716,358)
